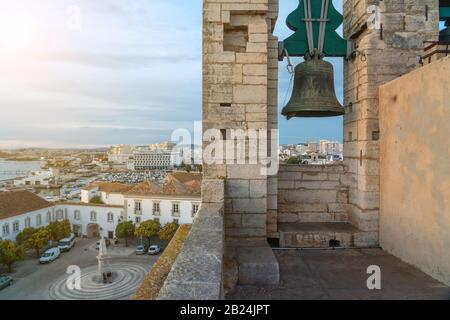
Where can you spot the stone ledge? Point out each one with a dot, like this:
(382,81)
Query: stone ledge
(197,274)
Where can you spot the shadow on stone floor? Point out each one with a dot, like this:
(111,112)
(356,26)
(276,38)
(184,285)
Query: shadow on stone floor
(342,275)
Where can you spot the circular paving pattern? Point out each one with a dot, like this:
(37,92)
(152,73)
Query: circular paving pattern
(127,277)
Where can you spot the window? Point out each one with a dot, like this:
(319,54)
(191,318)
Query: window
(137,207)
(59,215)
(137,220)
(16,227)
(6,229)
(38,220)
(195,208)
(176,209)
(110,217)
(156,208)
(27,222)
(93,216)
(49,217)
(76,215)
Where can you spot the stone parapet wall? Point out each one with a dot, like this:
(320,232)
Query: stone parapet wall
(197,273)
(385,52)
(312,194)
(415,170)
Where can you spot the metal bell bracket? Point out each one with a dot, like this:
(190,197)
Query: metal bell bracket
(314,23)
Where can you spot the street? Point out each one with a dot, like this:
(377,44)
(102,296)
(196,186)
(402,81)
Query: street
(33,281)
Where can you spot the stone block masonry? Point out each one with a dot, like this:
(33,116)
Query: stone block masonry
(386,51)
(312,194)
(240,92)
(240,70)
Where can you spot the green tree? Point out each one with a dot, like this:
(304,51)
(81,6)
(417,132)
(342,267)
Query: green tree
(148,229)
(66,228)
(38,240)
(10,252)
(294,160)
(96,200)
(168,231)
(59,230)
(24,235)
(125,230)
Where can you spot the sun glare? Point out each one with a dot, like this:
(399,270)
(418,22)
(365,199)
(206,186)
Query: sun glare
(17,36)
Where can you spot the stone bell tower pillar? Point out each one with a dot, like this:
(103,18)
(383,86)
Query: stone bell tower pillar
(389,38)
(240,73)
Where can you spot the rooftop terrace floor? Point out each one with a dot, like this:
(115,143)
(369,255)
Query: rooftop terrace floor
(342,275)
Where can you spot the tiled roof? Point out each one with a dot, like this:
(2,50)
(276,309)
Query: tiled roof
(109,187)
(185,177)
(176,184)
(19,202)
(145,188)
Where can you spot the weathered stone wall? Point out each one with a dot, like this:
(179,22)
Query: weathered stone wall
(384,54)
(415,168)
(197,273)
(312,194)
(240,92)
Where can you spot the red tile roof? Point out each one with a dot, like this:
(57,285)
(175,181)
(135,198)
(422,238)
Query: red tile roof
(15,203)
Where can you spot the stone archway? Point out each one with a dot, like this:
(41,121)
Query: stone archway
(93,231)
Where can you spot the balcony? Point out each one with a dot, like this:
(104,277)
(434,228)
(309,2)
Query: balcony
(175,214)
(138,212)
(157,212)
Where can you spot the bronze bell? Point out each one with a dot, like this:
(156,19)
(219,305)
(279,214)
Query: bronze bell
(314,94)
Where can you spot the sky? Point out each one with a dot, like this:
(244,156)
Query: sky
(124,72)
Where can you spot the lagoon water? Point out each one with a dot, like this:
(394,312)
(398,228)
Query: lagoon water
(12,169)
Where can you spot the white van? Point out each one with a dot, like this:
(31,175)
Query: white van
(67,243)
(50,255)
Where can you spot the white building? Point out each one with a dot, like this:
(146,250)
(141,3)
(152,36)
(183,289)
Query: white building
(36,179)
(23,209)
(144,160)
(178,199)
(330,148)
(109,193)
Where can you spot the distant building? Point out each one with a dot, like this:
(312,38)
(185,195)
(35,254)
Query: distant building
(330,148)
(144,160)
(312,147)
(37,179)
(164,146)
(120,154)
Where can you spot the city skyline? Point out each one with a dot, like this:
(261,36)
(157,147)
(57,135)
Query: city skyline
(92,89)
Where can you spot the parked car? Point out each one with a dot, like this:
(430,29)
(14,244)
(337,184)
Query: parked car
(154,250)
(50,255)
(67,243)
(141,249)
(5,281)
